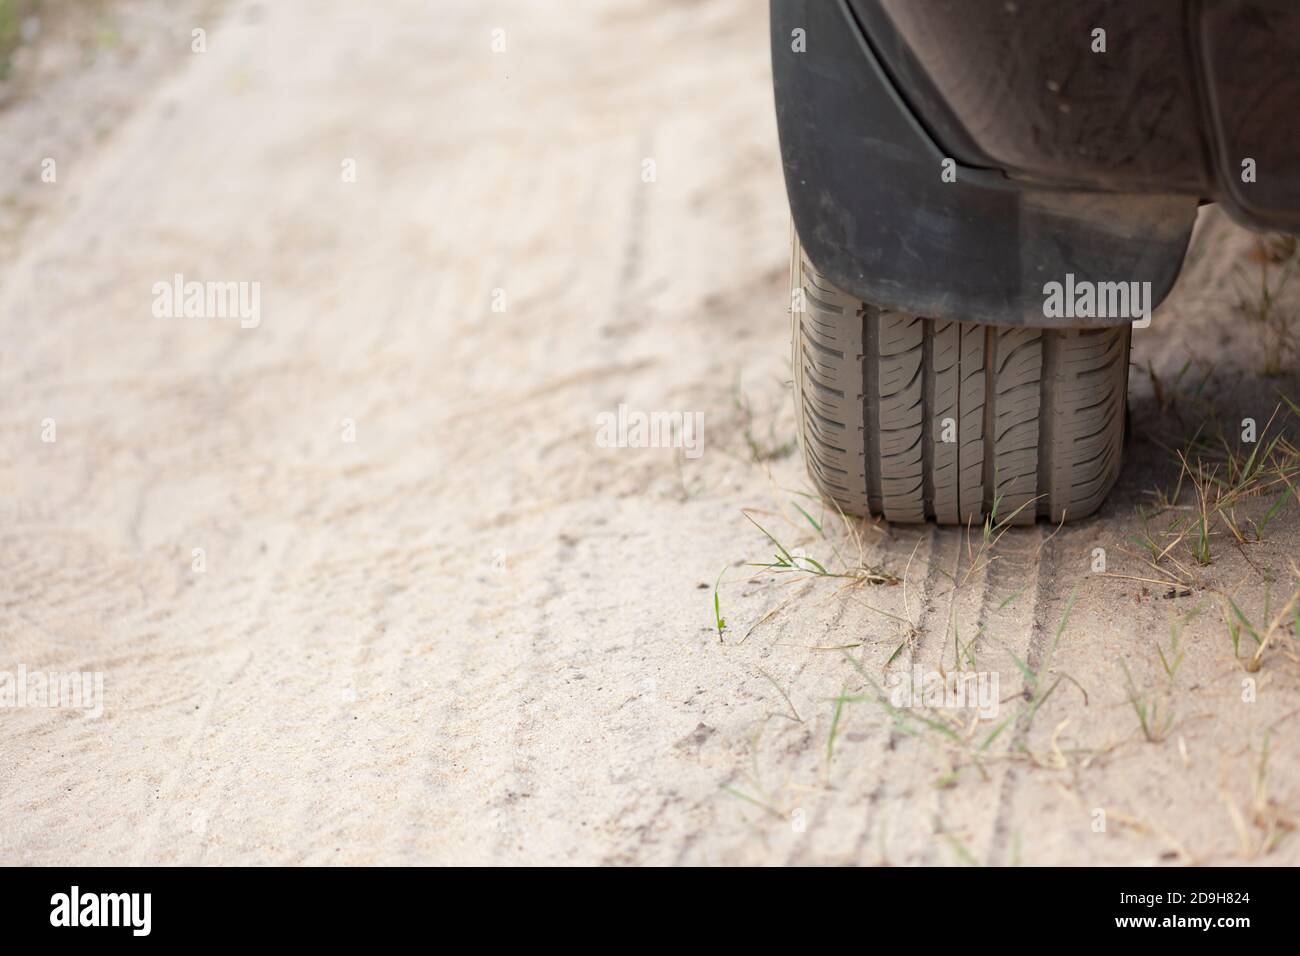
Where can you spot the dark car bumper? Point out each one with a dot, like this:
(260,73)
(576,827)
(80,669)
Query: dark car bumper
(1067,162)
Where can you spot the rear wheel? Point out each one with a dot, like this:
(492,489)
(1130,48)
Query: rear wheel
(912,418)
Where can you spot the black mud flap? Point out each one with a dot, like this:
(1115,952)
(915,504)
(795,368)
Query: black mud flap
(877,215)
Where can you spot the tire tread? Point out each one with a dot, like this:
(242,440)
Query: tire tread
(1037,414)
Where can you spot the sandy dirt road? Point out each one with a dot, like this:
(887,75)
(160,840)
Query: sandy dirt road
(436,621)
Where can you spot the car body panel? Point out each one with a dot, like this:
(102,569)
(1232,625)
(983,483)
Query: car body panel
(876,215)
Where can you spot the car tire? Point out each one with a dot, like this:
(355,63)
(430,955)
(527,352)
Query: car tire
(912,418)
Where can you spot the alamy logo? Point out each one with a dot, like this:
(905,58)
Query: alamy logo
(955,690)
(103,909)
(179,299)
(634,429)
(77,690)
(1098,300)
